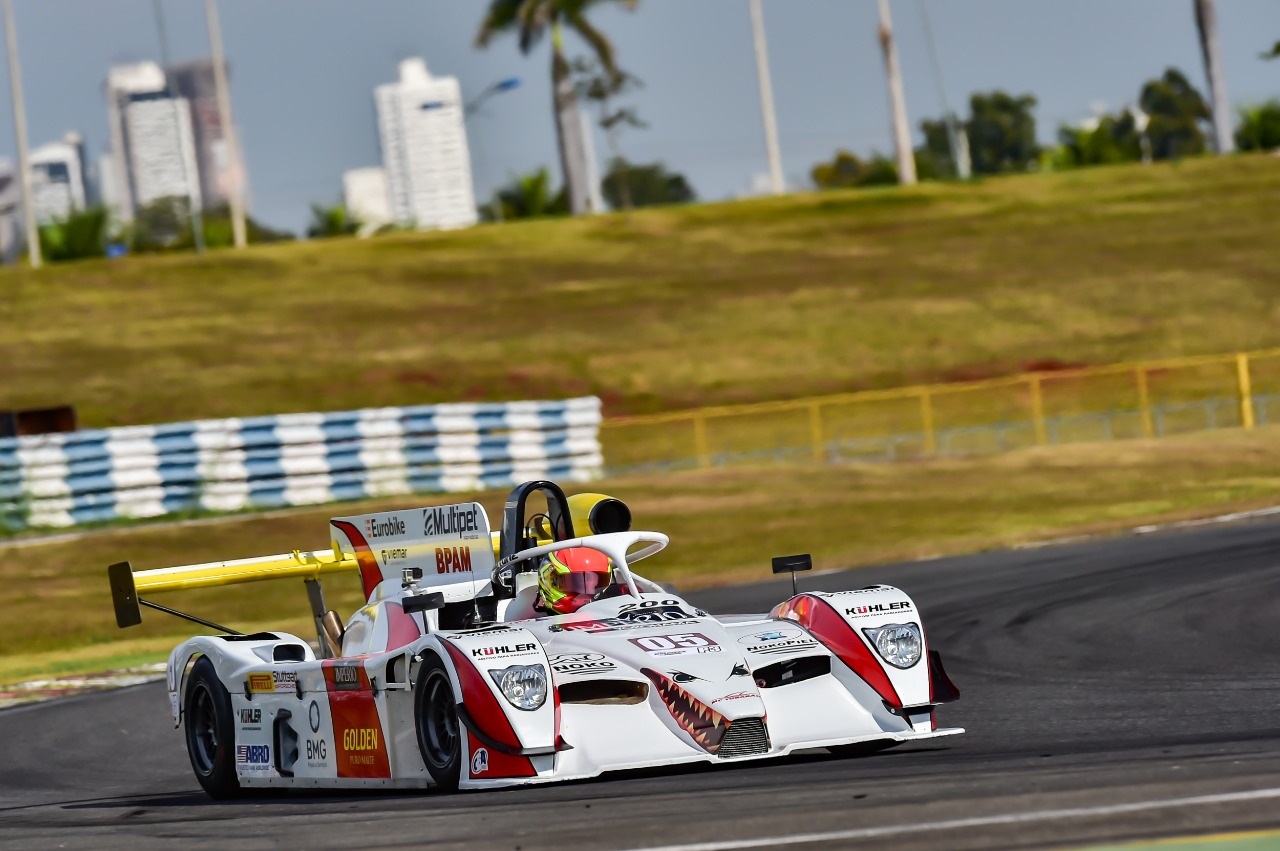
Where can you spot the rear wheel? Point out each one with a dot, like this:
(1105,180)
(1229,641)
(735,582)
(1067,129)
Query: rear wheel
(210,731)
(439,729)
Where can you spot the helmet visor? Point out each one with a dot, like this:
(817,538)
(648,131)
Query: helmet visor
(586,584)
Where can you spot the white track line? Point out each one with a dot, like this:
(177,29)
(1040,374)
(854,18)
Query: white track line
(983,821)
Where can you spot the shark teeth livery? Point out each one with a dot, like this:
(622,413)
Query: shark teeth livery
(706,726)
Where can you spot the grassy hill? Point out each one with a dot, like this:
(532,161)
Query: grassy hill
(669,308)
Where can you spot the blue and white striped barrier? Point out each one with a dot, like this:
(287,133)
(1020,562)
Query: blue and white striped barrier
(293,459)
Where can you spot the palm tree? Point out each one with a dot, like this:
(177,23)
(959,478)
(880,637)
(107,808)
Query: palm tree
(531,20)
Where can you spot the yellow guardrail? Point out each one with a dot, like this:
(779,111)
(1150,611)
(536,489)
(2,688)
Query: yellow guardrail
(1171,379)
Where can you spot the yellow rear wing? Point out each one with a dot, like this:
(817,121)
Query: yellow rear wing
(127,585)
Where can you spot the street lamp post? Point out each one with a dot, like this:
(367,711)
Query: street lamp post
(489,91)
(776,183)
(472,106)
(20,130)
(235,186)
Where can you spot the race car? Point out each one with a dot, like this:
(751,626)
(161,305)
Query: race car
(452,677)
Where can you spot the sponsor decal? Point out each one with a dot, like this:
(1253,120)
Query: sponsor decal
(503,650)
(653,611)
(346,677)
(450,520)
(789,645)
(285,680)
(250,716)
(678,644)
(394,554)
(740,695)
(261,683)
(317,752)
(356,739)
(876,609)
(774,634)
(453,559)
(383,527)
(604,625)
(480,761)
(582,663)
(313,717)
(254,757)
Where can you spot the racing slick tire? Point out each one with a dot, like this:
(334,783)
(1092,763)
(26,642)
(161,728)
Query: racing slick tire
(435,715)
(210,731)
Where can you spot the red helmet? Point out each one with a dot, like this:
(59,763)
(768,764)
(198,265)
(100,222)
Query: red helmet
(569,579)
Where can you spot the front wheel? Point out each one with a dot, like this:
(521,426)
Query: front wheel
(210,731)
(436,718)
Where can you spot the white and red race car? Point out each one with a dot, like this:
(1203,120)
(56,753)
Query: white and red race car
(435,683)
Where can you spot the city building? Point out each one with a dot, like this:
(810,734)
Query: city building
(424,149)
(195,81)
(58,180)
(364,194)
(12,239)
(153,152)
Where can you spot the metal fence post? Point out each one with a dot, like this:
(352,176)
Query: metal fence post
(815,429)
(1144,402)
(1037,411)
(926,422)
(1246,390)
(700,440)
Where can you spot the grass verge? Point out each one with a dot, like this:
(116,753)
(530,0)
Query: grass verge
(724,525)
(669,308)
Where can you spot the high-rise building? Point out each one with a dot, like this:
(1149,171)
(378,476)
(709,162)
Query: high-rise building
(12,237)
(424,149)
(195,81)
(58,178)
(153,153)
(364,194)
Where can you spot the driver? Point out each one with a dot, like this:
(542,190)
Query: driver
(569,579)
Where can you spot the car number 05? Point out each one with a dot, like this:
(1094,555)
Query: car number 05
(670,642)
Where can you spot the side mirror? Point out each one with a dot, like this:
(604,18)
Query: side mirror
(791,564)
(428,602)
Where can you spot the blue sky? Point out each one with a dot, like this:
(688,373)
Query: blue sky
(303,73)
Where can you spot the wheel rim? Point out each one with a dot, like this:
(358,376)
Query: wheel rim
(439,721)
(204,729)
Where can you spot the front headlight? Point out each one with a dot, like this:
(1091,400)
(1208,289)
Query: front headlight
(899,644)
(524,686)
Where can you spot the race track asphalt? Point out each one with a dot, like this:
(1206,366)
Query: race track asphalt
(1111,689)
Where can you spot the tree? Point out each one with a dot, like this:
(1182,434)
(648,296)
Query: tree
(1274,53)
(849,170)
(1178,113)
(80,234)
(1002,132)
(1259,128)
(164,223)
(1111,139)
(529,196)
(599,88)
(647,185)
(531,20)
(331,221)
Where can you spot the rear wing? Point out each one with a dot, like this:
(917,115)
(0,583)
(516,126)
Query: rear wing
(128,585)
(448,549)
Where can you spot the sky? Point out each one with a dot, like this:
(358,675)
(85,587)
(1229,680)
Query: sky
(303,73)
